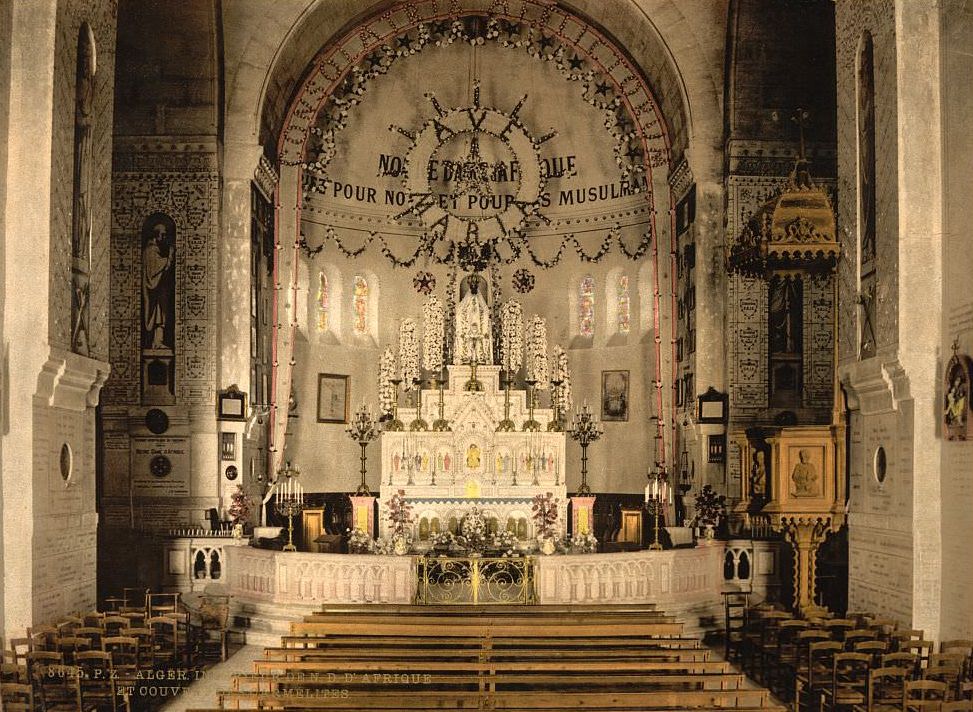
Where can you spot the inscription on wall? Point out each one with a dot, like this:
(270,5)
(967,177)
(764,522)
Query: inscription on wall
(160,467)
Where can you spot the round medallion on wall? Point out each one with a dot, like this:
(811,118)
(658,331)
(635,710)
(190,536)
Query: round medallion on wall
(66,463)
(157,421)
(880,465)
(231,472)
(160,466)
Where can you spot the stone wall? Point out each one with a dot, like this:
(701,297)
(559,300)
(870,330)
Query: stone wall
(957,460)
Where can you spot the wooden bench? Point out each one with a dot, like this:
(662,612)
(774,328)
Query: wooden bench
(487,628)
(477,666)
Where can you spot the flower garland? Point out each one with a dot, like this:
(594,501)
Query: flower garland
(537,367)
(386,389)
(408,351)
(434,333)
(511,336)
(561,372)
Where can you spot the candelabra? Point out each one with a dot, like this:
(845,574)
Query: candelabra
(395,425)
(530,424)
(685,484)
(290,500)
(506,425)
(657,496)
(586,429)
(441,425)
(418,423)
(555,424)
(474,384)
(362,430)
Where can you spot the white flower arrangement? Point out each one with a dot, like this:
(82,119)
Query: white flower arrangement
(359,542)
(586,543)
(511,336)
(383,547)
(560,371)
(386,389)
(408,351)
(505,542)
(434,319)
(443,539)
(537,367)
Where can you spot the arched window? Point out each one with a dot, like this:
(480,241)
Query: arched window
(323,302)
(586,306)
(623,305)
(360,303)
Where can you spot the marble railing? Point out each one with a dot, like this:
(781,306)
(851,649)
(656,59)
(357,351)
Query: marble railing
(193,561)
(307,578)
(673,576)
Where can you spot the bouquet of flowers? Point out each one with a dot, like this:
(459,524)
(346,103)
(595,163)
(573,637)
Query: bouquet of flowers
(408,351)
(537,368)
(434,317)
(442,540)
(240,505)
(544,512)
(400,514)
(585,543)
(511,336)
(504,541)
(383,547)
(473,530)
(710,507)
(358,541)
(386,389)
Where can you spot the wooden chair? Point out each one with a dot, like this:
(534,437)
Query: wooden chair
(165,640)
(20,647)
(136,619)
(185,635)
(922,649)
(903,635)
(92,633)
(92,619)
(948,668)
(13,672)
(97,680)
(875,648)
(858,635)
(16,697)
(145,644)
(70,645)
(42,637)
(214,615)
(124,652)
(159,603)
(42,658)
(783,657)
(886,688)
(849,681)
(735,605)
(957,706)
(115,626)
(758,621)
(135,597)
(798,672)
(812,683)
(840,626)
(922,695)
(966,690)
(906,661)
(57,686)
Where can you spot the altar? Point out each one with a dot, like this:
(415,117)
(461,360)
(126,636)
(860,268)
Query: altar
(443,475)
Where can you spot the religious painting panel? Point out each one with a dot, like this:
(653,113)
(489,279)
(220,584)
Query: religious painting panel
(333,401)
(957,408)
(614,395)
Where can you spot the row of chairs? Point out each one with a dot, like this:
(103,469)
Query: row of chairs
(833,662)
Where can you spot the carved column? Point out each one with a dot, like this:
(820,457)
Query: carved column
(805,535)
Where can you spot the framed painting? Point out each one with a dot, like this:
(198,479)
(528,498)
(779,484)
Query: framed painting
(231,404)
(332,398)
(614,395)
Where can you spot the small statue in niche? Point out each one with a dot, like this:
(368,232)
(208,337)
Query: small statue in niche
(473,326)
(785,315)
(473,457)
(956,402)
(804,476)
(758,475)
(157,285)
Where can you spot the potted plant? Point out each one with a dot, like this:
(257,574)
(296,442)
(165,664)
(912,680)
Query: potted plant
(400,517)
(239,510)
(710,508)
(544,512)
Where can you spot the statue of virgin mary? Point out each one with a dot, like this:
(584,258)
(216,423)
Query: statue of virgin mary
(474,336)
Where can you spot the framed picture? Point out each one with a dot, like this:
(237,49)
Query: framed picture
(231,404)
(713,407)
(332,398)
(614,395)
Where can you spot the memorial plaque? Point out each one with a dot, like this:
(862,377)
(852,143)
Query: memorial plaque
(160,467)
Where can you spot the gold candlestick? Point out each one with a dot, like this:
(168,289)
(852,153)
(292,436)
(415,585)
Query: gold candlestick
(554,425)
(395,425)
(418,424)
(441,425)
(506,425)
(530,424)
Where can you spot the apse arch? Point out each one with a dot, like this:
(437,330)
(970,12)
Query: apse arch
(635,117)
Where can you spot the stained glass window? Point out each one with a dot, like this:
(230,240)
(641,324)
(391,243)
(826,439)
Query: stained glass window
(623,304)
(322,302)
(361,305)
(586,306)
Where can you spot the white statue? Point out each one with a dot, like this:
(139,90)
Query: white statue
(474,335)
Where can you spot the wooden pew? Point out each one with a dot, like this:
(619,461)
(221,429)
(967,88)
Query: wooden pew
(487,628)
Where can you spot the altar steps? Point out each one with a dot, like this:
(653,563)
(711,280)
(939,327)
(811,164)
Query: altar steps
(550,658)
